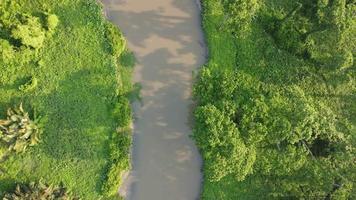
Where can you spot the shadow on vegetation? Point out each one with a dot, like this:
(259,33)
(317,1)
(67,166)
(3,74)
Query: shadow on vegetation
(78,112)
(7,184)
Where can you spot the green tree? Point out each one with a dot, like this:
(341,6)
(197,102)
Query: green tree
(223,150)
(319,30)
(214,86)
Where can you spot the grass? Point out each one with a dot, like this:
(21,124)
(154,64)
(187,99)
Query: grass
(78,82)
(257,56)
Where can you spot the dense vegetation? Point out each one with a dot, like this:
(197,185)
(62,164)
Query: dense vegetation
(65,81)
(277,100)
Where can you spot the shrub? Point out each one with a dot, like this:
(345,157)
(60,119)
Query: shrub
(213,86)
(119,162)
(116,40)
(52,22)
(7,51)
(30,85)
(122,112)
(290,35)
(30,32)
(120,144)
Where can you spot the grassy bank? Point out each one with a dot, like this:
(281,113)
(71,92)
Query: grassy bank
(272,122)
(82,73)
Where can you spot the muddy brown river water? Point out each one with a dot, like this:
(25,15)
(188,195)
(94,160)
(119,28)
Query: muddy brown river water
(167,40)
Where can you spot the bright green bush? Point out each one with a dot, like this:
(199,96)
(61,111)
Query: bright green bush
(7,51)
(52,22)
(290,34)
(122,112)
(212,85)
(30,32)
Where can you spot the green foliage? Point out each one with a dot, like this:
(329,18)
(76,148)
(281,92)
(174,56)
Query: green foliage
(29,85)
(52,22)
(342,193)
(212,85)
(116,39)
(122,112)
(120,144)
(72,79)
(290,34)
(127,59)
(290,118)
(18,131)
(36,191)
(119,162)
(240,13)
(223,149)
(7,51)
(30,32)
(319,30)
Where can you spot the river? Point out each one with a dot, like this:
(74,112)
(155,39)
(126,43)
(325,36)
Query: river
(167,40)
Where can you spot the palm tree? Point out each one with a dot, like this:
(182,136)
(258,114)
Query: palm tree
(38,191)
(18,131)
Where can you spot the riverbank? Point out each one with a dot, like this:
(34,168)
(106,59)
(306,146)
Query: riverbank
(81,82)
(255,95)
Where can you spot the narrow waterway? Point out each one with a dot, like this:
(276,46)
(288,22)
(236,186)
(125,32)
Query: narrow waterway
(167,40)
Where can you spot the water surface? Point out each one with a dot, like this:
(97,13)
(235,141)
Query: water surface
(167,40)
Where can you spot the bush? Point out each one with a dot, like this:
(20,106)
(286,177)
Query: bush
(7,51)
(29,85)
(122,112)
(214,86)
(52,22)
(116,40)
(119,162)
(289,35)
(30,32)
